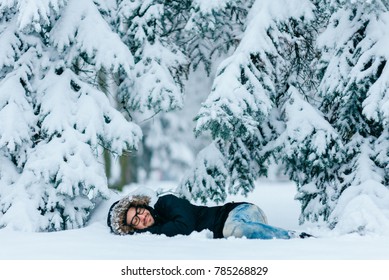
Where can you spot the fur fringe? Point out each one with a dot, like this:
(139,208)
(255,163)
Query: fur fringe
(118,213)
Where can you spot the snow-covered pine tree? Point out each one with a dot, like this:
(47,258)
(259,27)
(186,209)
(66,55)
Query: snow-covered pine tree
(243,110)
(166,37)
(354,91)
(212,29)
(309,147)
(149,28)
(209,176)
(160,65)
(53,120)
(311,150)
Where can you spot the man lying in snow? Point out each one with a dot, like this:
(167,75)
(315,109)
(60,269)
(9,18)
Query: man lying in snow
(172,216)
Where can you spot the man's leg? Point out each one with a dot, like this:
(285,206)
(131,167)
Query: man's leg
(249,220)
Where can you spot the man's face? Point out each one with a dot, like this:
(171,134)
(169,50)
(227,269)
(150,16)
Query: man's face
(139,218)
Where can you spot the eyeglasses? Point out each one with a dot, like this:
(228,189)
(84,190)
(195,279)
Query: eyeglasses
(136,220)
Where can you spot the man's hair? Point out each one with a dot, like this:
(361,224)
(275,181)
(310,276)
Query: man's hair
(117,213)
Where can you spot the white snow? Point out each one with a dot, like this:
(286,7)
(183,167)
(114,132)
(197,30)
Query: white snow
(95,242)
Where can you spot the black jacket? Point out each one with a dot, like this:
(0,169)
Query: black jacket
(175,215)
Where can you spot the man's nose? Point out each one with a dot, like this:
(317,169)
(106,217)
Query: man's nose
(142,216)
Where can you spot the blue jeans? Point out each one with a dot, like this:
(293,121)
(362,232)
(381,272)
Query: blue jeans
(248,220)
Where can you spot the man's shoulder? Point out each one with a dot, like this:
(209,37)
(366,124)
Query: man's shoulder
(167,197)
(171,198)
(172,204)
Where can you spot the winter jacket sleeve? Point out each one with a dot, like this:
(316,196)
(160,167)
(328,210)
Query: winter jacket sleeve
(177,217)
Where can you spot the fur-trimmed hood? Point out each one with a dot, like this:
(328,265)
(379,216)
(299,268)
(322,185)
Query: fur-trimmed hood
(118,211)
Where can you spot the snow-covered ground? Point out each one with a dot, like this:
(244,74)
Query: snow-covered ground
(95,242)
